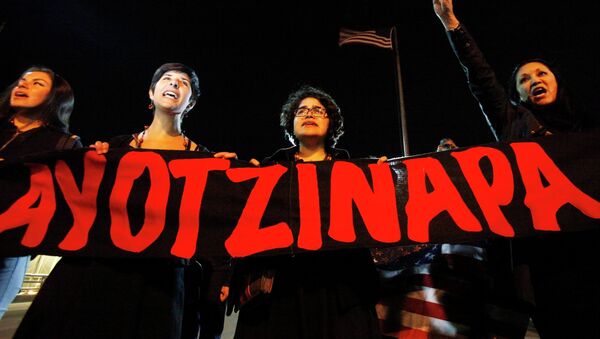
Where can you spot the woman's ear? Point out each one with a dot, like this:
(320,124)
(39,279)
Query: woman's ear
(190,106)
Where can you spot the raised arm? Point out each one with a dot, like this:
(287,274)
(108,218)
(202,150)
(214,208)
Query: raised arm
(481,78)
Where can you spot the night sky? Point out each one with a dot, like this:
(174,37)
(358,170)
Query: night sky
(250,55)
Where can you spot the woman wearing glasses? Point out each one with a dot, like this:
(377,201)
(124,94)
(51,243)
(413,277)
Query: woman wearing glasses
(308,295)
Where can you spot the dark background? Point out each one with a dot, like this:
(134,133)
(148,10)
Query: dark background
(250,55)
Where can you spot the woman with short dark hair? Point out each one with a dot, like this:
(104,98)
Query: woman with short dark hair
(131,297)
(310,295)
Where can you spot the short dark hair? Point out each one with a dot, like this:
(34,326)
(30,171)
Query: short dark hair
(336,121)
(178,67)
(56,109)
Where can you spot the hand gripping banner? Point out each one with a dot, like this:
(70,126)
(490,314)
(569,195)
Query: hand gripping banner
(154,203)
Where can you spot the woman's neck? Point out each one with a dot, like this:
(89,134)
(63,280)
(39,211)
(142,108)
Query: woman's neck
(165,125)
(24,123)
(164,133)
(312,152)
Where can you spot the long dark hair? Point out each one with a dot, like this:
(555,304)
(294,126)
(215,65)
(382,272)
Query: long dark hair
(55,111)
(566,113)
(336,121)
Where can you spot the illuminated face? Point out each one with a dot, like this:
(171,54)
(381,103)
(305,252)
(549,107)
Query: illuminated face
(172,93)
(536,84)
(311,124)
(32,90)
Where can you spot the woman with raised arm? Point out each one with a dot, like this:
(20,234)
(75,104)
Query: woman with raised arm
(536,103)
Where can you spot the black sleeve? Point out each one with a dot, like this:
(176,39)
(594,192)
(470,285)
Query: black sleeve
(77,143)
(482,80)
(69,141)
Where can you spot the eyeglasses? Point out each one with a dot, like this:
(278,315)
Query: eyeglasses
(315,111)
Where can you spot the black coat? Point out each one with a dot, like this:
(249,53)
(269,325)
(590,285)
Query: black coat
(315,295)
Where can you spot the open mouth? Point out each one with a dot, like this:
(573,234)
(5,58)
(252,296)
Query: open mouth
(170,94)
(21,95)
(538,91)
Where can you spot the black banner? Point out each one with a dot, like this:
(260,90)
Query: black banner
(183,204)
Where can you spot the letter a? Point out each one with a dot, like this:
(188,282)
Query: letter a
(35,218)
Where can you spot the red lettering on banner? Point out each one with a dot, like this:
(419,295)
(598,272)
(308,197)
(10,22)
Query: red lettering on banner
(247,237)
(36,219)
(544,202)
(131,167)
(82,203)
(309,236)
(489,196)
(195,172)
(423,206)
(377,206)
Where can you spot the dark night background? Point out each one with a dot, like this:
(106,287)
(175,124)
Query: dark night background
(250,55)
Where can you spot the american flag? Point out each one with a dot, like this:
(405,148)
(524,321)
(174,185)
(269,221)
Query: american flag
(441,291)
(378,38)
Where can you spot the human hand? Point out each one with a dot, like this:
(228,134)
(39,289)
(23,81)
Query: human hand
(445,12)
(100,146)
(254,162)
(381,160)
(224,293)
(225,155)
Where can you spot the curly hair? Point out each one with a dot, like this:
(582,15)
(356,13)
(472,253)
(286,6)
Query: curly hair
(336,121)
(55,111)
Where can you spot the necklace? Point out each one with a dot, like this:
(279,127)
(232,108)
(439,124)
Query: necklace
(139,139)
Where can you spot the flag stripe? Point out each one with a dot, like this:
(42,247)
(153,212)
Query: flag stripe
(372,37)
(433,325)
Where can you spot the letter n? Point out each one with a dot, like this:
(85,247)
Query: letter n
(377,206)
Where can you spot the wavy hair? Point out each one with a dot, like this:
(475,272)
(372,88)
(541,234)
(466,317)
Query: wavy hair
(55,111)
(336,121)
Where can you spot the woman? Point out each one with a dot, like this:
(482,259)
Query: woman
(34,118)
(313,295)
(537,104)
(129,298)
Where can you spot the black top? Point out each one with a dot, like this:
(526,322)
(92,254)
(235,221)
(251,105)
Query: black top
(558,261)
(512,121)
(36,140)
(283,154)
(323,295)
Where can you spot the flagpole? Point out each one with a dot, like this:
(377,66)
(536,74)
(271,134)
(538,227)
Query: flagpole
(402,116)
